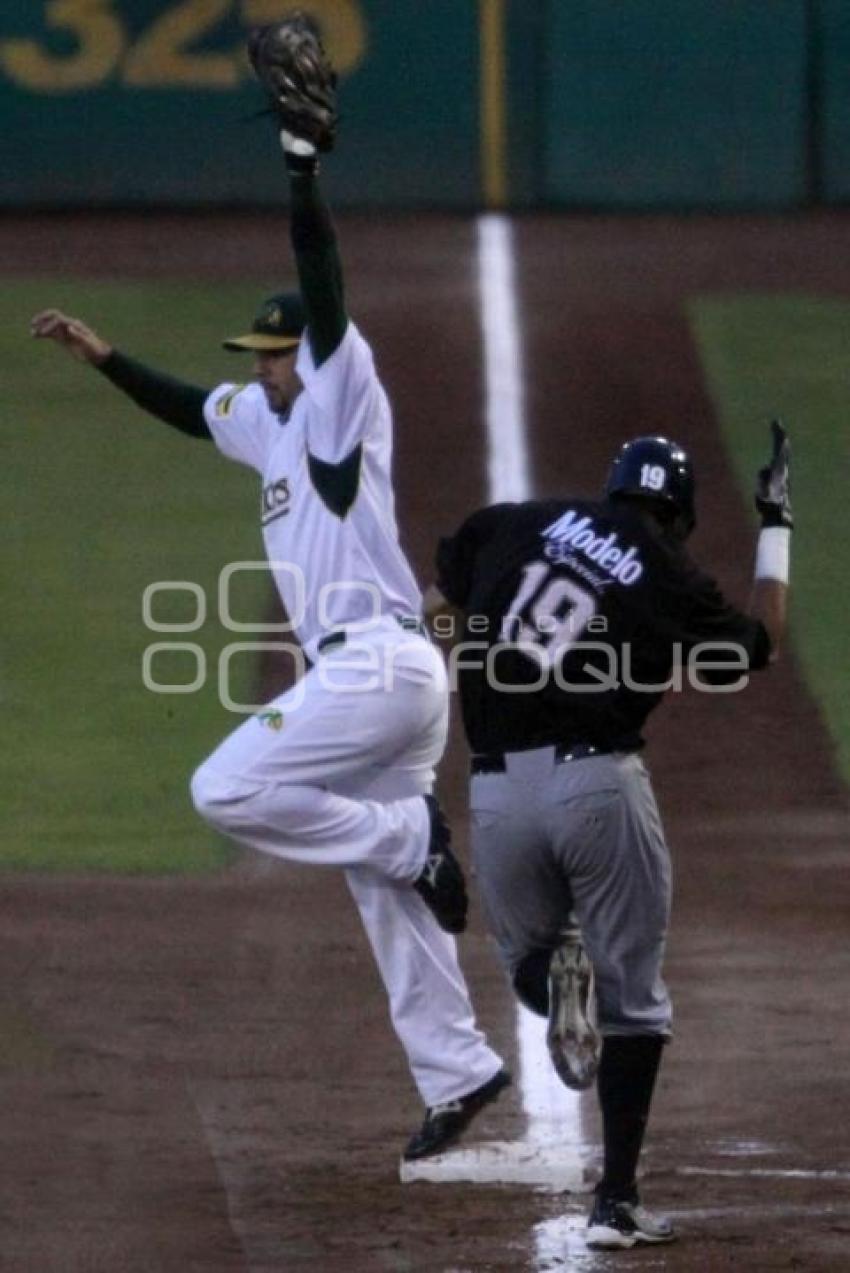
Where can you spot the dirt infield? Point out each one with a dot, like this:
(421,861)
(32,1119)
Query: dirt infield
(199,1075)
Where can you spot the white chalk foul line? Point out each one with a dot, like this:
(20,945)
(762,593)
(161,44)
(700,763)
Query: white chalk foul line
(246,1159)
(553,1113)
(508,468)
(221,1148)
(754,1210)
(767,1173)
(552,1154)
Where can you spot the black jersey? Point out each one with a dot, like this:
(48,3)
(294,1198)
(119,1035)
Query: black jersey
(578,616)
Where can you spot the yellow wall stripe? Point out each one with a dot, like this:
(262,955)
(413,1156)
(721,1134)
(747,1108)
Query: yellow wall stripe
(493,114)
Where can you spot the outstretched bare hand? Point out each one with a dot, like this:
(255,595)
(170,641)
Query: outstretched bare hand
(72,334)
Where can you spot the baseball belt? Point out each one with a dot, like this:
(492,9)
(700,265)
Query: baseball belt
(339,636)
(494,762)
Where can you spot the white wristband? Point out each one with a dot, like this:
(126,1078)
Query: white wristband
(773,554)
(296,145)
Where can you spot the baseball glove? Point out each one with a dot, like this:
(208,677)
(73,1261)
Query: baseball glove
(773,484)
(293,68)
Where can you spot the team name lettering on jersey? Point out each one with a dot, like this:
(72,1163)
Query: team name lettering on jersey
(571,533)
(276,500)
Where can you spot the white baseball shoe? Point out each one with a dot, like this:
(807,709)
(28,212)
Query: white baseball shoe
(617,1225)
(572,1038)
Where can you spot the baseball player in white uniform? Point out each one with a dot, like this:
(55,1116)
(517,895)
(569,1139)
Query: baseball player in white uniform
(338,770)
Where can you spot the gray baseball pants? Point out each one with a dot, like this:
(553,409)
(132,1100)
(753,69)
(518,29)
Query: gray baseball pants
(557,841)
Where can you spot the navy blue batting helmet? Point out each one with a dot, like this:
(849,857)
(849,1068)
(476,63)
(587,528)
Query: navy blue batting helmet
(657,469)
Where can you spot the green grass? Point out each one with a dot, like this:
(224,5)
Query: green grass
(787,356)
(99,501)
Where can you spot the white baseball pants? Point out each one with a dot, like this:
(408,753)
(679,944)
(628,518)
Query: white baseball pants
(332,774)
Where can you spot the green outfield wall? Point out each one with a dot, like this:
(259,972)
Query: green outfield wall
(454,103)
(831,54)
(645,108)
(137,101)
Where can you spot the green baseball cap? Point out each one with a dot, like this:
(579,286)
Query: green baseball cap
(277,326)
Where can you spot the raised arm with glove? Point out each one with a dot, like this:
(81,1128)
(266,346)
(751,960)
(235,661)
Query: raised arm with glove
(300,84)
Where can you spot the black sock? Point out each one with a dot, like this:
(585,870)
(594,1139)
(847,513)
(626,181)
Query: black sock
(625,1083)
(531,982)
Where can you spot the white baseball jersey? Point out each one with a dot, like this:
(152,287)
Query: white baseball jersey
(309,787)
(336,563)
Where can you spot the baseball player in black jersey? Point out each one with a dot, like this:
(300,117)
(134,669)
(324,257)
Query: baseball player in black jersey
(578,616)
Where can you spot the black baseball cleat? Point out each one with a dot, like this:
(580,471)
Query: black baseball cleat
(444,1124)
(573,1040)
(441,884)
(618,1225)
